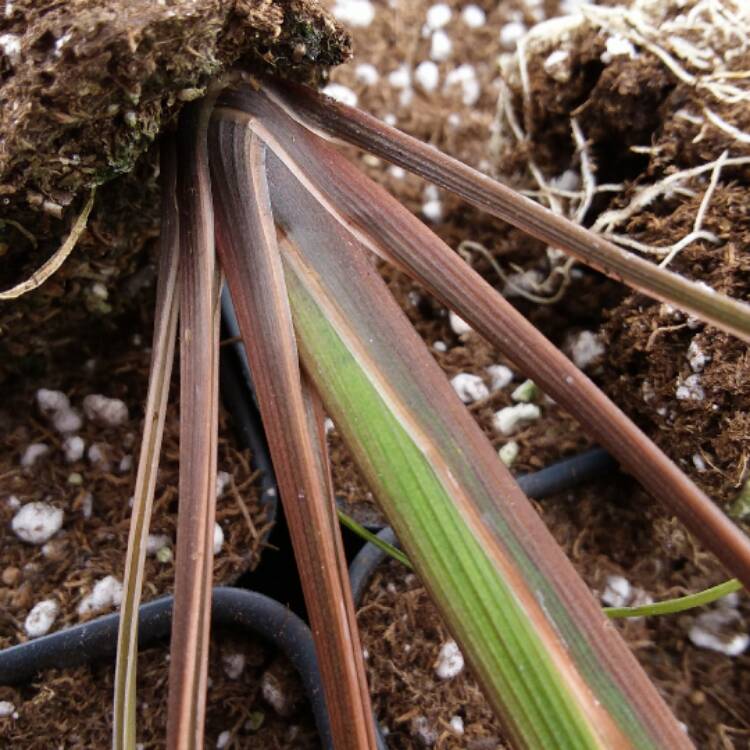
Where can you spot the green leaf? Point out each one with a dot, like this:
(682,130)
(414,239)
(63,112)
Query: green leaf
(557,674)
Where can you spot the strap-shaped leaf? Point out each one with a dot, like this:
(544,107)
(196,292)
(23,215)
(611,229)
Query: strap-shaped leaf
(552,666)
(339,120)
(246,240)
(199,417)
(386,228)
(162,358)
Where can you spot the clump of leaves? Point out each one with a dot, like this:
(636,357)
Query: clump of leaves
(257,192)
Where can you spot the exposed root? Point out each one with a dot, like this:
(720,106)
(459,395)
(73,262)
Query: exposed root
(53,264)
(542,293)
(704,45)
(664,188)
(696,46)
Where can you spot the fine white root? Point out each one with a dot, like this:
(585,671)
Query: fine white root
(700,216)
(540,292)
(728,128)
(587,172)
(697,42)
(669,185)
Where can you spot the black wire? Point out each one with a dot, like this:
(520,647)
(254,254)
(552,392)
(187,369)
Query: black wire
(565,474)
(249,610)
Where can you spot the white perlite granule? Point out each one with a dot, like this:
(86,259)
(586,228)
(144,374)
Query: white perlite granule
(400,78)
(234,665)
(424,732)
(618,592)
(432,206)
(218,538)
(457,725)
(223,479)
(341,94)
(585,349)
(690,389)
(10,44)
(450,661)
(37,523)
(438,16)
(458,325)
(106,594)
(109,412)
(557,65)
(618,46)
(274,695)
(56,407)
(427,75)
(508,420)
(720,630)
(73,447)
(41,618)
(366,74)
(509,452)
(51,401)
(473,16)
(33,453)
(440,46)
(98,455)
(500,375)
(464,76)
(355,13)
(469,387)
(13,502)
(511,33)
(696,357)
(6,709)
(155,542)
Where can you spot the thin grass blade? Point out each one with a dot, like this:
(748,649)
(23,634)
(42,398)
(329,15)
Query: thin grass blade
(199,345)
(247,247)
(555,671)
(333,118)
(162,358)
(374,218)
(316,426)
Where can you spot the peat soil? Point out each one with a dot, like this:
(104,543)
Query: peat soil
(255,699)
(64,564)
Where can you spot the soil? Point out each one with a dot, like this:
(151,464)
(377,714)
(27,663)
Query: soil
(641,124)
(71,709)
(402,634)
(94,490)
(85,89)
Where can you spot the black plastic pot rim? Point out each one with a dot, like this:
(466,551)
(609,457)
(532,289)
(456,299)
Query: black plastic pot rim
(97,639)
